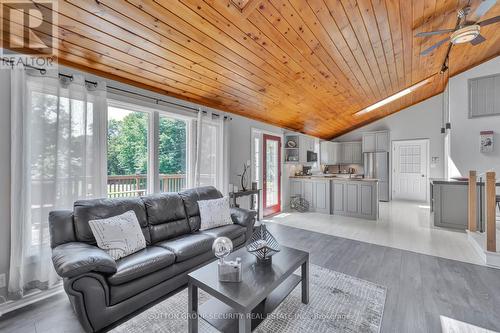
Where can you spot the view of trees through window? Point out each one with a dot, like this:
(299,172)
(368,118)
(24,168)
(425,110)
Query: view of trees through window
(128,153)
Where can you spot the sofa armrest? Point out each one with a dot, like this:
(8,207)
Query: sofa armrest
(76,258)
(243,217)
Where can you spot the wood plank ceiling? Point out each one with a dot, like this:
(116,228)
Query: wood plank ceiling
(306,65)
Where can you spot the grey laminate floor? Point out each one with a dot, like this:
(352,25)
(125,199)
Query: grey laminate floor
(420,288)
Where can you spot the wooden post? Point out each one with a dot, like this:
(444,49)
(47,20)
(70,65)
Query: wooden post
(472,202)
(491,240)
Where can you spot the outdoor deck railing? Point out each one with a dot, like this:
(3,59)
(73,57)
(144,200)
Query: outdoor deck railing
(135,185)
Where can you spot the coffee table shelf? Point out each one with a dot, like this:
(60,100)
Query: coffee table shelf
(213,309)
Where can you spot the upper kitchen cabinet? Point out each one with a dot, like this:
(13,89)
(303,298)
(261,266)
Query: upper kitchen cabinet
(306,144)
(376,141)
(296,147)
(330,152)
(351,153)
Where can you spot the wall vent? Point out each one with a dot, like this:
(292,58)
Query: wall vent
(484,96)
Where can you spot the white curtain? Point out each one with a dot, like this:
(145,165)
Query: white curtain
(58,155)
(212,151)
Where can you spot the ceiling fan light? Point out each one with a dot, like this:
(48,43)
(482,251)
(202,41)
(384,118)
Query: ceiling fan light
(465,34)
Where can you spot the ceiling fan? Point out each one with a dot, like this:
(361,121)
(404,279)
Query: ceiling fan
(467,29)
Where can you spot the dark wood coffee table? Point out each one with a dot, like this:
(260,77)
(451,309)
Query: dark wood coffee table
(241,307)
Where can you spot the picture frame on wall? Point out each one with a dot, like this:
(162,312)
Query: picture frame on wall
(486,141)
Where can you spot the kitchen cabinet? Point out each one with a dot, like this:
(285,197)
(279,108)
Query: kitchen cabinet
(306,144)
(298,152)
(338,202)
(368,142)
(315,191)
(330,152)
(356,198)
(448,203)
(321,194)
(295,187)
(375,142)
(351,153)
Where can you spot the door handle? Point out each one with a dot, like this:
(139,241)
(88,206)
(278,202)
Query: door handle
(423,175)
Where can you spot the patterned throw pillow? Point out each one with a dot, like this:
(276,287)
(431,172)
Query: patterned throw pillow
(119,235)
(214,213)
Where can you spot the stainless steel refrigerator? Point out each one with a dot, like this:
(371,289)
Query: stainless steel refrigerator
(376,165)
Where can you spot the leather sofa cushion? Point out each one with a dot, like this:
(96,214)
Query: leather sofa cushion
(191,197)
(141,263)
(166,216)
(95,209)
(122,292)
(231,231)
(188,246)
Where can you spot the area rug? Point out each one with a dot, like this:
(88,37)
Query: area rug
(337,303)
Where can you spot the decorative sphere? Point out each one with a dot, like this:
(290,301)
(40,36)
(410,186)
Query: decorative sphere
(222,247)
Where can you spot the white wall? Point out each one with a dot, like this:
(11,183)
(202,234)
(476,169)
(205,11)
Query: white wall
(420,121)
(240,149)
(464,145)
(5,178)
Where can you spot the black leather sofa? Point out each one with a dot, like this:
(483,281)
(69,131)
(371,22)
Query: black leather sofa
(102,290)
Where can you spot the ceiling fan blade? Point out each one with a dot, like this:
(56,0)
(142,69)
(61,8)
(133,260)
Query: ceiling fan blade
(482,9)
(435,46)
(478,40)
(432,33)
(489,21)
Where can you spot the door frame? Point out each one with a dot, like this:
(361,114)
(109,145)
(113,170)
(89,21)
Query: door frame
(265,137)
(393,165)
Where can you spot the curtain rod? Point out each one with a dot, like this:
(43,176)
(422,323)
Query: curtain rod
(43,71)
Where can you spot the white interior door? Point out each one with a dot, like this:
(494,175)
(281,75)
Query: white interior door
(410,163)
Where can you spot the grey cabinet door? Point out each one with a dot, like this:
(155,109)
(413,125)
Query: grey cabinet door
(366,199)
(351,196)
(322,197)
(346,153)
(338,189)
(357,156)
(325,155)
(308,193)
(383,190)
(295,187)
(368,142)
(382,141)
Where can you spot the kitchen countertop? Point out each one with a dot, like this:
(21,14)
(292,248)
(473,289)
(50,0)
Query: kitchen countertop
(321,177)
(452,181)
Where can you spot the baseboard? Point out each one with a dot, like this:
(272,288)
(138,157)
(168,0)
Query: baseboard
(491,259)
(31,298)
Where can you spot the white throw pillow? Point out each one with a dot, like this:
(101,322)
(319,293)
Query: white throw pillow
(119,235)
(214,213)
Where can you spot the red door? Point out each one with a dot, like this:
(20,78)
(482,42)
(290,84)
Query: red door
(271,174)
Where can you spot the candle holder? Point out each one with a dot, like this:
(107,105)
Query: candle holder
(263,245)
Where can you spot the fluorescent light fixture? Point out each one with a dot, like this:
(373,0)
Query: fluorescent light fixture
(393,97)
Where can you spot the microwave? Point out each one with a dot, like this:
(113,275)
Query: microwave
(312,156)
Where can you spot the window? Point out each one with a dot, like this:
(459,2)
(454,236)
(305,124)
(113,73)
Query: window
(127,152)
(172,154)
(147,151)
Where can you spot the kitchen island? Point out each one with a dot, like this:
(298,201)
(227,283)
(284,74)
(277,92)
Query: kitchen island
(356,197)
(449,205)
